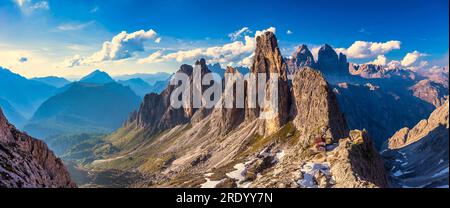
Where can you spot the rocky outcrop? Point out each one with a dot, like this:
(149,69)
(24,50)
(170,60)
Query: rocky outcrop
(300,58)
(268,60)
(315,109)
(26,162)
(419,157)
(406,136)
(357,164)
(430,92)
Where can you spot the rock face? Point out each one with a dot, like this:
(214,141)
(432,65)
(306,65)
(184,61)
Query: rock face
(26,162)
(230,117)
(317,115)
(328,60)
(268,60)
(300,58)
(419,157)
(357,153)
(430,92)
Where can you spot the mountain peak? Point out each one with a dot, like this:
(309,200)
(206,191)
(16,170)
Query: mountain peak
(268,60)
(300,58)
(97,77)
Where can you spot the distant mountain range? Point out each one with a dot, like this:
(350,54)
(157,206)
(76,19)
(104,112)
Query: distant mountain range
(94,104)
(23,94)
(11,113)
(149,78)
(53,81)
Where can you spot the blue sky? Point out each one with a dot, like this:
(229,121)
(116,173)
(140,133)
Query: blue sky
(66,38)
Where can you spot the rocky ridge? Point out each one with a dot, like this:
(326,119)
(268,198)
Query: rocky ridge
(419,157)
(26,162)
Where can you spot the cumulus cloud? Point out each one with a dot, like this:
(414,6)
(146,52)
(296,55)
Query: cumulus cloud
(76,60)
(234,53)
(28,6)
(363,49)
(237,34)
(411,58)
(380,60)
(122,46)
(289,32)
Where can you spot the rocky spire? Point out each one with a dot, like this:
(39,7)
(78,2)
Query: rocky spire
(315,108)
(229,118)
(156,112)
(300,58)
(328,60)
(27,162)
(268,60)
(343,64)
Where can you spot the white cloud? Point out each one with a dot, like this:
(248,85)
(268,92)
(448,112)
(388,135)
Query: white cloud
(237,34)
(380,60)
(289,32)
(76,60)
(74,26)
(315,52)
(153,58)
(411,58)
(122,46)
(363,49)
(158,40)
(28,6)
(237,52)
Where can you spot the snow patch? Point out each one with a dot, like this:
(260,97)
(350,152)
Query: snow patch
(210,184)
(309,170)
(239,174)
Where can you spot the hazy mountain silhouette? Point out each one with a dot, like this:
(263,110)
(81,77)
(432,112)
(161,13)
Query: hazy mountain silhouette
(84,107)
(23,94)
(53,81)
